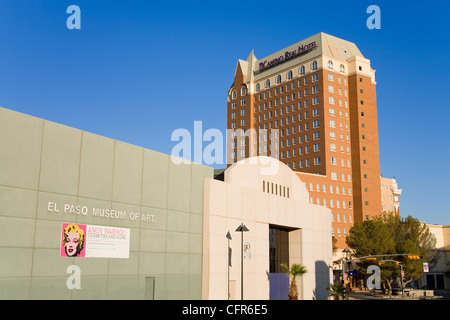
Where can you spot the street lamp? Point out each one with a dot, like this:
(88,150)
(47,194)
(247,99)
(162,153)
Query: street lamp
(242,228)
(346,251)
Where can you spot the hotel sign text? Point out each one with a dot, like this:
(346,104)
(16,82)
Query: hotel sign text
(287,55)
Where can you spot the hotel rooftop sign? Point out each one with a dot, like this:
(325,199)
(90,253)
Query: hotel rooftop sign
(302,49)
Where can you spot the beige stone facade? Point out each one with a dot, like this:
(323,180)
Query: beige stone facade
(260,198)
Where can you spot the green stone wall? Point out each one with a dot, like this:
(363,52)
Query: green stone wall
(42,162)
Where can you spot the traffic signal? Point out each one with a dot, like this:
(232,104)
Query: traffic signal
(371,258)
(414,257)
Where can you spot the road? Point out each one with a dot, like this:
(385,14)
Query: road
(365,295)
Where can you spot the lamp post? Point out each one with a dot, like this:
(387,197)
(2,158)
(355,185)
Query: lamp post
(242,228)
(229,263)
(346,251)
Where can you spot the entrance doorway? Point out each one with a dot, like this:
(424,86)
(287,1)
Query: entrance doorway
(284,248)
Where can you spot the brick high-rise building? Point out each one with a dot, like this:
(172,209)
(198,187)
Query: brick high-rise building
(320,94)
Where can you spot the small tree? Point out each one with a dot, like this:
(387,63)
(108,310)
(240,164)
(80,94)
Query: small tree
(336,290)
(296,270)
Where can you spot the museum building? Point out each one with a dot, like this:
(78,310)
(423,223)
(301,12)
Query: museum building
(87,217)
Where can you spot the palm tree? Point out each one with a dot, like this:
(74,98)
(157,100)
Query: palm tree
(336,290)
(296,270)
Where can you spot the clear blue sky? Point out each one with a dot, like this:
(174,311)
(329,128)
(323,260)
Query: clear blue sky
(137,70)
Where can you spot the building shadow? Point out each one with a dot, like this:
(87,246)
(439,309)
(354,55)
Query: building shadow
(322,273)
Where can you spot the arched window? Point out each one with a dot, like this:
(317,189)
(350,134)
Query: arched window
(233,95)
(330,64)
(314,65)
(290,75)
(268,84)
(278,79)
(302,70)
(258,87)
(342,68)
(243,91)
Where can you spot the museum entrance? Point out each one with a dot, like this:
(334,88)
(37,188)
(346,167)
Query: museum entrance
(281,244)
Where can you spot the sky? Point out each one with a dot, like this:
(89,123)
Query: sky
(138,70)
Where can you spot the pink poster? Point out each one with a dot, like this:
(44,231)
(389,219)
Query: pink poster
(73,240)
(88,241)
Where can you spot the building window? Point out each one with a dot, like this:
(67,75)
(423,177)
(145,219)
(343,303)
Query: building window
(267,83)
(278,79)
(331,100)
(314,65)
(315,100)
(258,88)
(302,70)
(342,68)
(315,89)
(330,64)
(290,75)
(316,135)
(233,95)
(316,161)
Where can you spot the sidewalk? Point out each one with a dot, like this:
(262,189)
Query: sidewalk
(368,295)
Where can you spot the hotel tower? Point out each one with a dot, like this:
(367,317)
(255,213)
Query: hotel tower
(313,106)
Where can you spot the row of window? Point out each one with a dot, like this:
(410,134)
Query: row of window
(331,189)
(281,89)
(301,72)
(304,81)
(301,150)
(276,189)
(339,232)
(338,216)
(301,104)
(300,116)
(293,96)
(331,204)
